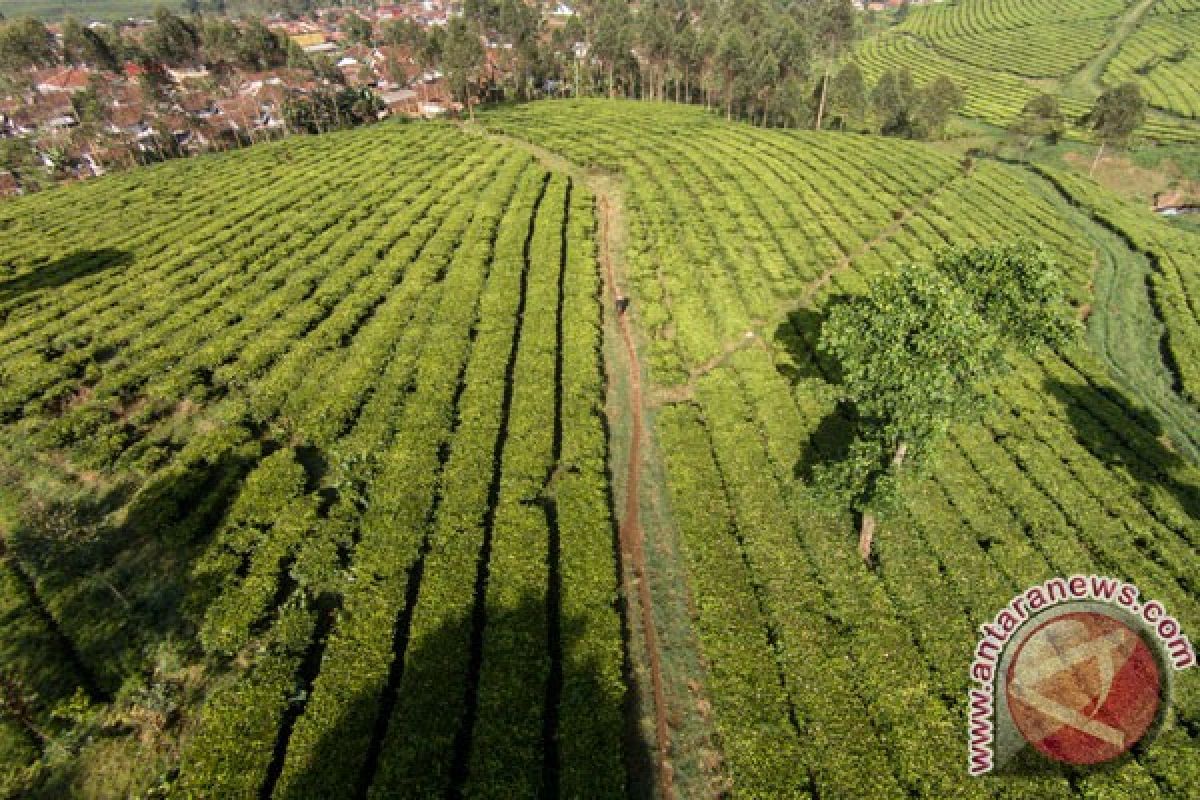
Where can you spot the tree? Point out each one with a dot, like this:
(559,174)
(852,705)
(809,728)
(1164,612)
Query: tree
(731,56)
(913,353)
(836,27)
(892,101)
(358,29)
(463,59)
(613,38)
(172,39)
(1117,114)
(847,97)
(1040,118)
(72,42)
(20,158)
(934,104)
(259,48)
(26,43)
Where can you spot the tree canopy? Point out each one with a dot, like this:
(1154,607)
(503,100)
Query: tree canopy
(913,353)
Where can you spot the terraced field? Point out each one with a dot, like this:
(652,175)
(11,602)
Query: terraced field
(1034,38)
(343,461)
(829,679)
(1002,53)
(348,420)
(1163,57)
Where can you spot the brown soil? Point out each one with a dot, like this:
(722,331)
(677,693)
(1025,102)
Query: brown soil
(630,531)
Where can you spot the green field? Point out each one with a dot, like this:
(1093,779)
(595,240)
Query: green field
(51,10)
(1002,53)
(101,10)
(328,415)
(344,446)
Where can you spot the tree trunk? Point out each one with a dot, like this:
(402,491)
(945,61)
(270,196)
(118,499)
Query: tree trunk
(1096,163)
(866,536)
(824,91)
(866,530)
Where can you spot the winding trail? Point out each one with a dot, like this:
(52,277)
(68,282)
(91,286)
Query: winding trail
(631,535)
(1086,81)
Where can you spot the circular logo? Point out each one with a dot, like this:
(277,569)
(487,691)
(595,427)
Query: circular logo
(1083,688)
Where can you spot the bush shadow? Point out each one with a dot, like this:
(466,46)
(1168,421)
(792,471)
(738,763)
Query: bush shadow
(796,339)
(1124,435)
(60,272)
(120,585)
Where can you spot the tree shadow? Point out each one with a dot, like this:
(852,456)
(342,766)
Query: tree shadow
(60,272)
(119,586)
(1124,435)
(796,339)
(418,740)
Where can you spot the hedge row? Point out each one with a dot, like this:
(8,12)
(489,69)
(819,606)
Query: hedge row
(329,745)
(419,751)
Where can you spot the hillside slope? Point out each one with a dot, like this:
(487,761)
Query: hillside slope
(307,476)
(1002,54)
(828,678)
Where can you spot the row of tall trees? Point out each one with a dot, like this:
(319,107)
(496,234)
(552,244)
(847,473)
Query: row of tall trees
(771,62)
(172,40)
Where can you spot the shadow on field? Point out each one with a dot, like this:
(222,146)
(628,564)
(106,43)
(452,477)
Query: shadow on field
(120,585)
(58,273)
(1122,434)
(796,339)
(412,741)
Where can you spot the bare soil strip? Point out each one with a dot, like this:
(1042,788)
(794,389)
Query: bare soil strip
(630,529)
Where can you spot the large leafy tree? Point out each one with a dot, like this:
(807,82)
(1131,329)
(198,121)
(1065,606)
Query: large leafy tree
(940,98)
(1042,117)
(913,353)
(893,99)
(172,39)
(846,104)
(1117,114)
(463,59)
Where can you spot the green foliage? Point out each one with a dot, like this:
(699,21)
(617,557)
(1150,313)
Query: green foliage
(323,110)
(892,100)
(848,96)
(462,58)
(912,354)
(1118,113)
(1042,117)
(25,43)
(1018,288)
(940,98)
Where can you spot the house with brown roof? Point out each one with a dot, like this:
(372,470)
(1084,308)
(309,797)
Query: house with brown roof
(63,80)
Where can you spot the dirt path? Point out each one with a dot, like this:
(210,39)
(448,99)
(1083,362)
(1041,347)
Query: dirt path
(1086,82)
(632,536)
